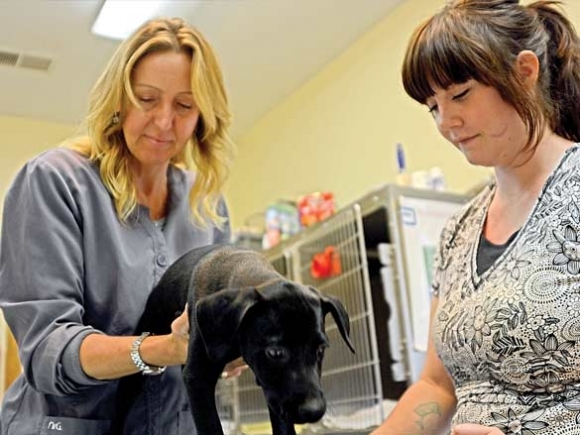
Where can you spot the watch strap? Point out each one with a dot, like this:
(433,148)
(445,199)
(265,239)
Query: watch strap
(143,367)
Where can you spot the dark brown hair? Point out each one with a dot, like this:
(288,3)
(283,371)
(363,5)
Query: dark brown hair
(480,40)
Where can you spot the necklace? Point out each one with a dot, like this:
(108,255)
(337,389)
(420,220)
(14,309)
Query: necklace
(159,223)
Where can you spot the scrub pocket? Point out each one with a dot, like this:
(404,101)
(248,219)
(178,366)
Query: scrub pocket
(74,426)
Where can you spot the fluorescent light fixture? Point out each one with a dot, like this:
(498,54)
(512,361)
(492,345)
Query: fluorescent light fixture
(119,18)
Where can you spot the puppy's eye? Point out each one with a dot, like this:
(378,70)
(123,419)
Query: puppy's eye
(320,351)
(276,353)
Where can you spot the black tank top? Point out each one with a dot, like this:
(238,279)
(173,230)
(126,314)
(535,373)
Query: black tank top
(488,252)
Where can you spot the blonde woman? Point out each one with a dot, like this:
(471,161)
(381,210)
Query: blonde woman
(90,227)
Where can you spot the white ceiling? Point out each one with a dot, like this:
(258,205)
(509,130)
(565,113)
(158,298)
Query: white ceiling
(267,48)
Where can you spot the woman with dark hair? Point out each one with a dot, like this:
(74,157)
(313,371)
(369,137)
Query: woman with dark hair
(89,228)
(502,82)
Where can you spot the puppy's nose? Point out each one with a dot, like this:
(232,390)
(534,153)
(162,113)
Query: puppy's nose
(311,410)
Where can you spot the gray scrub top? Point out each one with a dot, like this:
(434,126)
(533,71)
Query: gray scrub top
(69,268)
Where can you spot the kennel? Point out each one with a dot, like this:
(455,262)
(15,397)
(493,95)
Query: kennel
(378,253)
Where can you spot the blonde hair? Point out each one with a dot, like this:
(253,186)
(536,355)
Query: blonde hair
(210,149)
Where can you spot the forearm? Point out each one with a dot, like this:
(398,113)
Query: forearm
(104,357)
(424,409)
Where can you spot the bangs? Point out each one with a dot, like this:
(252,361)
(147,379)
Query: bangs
(439,55)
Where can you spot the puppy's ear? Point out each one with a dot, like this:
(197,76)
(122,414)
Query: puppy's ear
(333,305)
(218,317)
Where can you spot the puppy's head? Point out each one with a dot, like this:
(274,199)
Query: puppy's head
(279,331)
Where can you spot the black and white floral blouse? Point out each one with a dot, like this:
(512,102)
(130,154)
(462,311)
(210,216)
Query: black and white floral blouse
(510,338)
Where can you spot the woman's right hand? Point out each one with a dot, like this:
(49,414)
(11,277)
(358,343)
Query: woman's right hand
(180,336)
(475,429)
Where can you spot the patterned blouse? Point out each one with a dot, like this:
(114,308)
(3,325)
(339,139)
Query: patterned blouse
(510,338)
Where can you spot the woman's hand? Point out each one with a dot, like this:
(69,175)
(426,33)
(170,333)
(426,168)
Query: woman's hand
(180,336)
(475,429)
(234,368)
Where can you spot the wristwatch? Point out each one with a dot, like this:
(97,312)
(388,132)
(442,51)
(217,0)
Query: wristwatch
(144,368)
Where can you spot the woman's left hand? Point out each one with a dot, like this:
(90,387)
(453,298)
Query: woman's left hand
(234,368)
(475,429)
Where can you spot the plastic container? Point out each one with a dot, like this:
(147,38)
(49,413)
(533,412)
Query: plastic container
(437,179)
(403,177)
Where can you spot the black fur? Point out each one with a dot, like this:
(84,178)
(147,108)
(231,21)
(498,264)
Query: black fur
(240,306)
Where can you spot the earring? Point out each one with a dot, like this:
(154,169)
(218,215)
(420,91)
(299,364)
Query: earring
(116,118)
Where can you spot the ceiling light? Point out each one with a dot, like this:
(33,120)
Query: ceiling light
(119,18)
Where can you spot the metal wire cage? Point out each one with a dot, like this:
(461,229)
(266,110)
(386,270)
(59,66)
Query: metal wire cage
(351,382)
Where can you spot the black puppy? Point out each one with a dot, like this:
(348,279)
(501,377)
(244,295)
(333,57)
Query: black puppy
(238,305)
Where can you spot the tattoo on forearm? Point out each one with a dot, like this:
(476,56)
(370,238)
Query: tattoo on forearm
(426,412)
